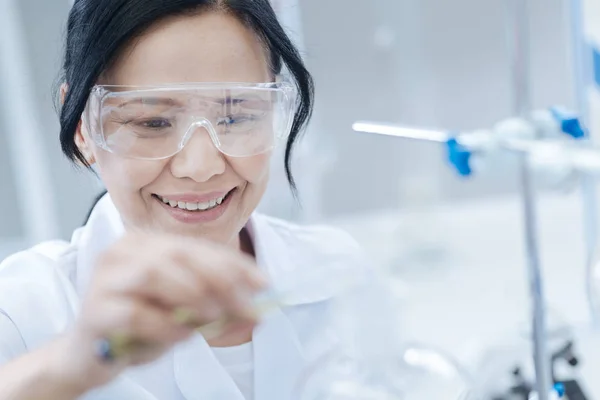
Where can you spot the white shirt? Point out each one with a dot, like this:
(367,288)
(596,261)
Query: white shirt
(41,290)
(238,361)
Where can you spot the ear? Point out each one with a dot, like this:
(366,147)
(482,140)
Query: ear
(63,92)
(81,138)
(83,143)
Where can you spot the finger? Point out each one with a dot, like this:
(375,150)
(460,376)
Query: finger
(224,283)
(146,354)
(240,266)
(199,253)
(206,278)
(227,330)
(248,270)
(227,287)
(165,282)
(138,320)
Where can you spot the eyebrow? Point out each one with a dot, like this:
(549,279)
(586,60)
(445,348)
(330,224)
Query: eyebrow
(154,101)
(228,100)
(168,101)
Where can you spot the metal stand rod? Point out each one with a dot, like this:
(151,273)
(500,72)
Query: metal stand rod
(543,154)
(518,30)
(582,61)
(404,132)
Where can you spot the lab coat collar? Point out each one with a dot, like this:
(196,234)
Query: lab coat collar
(278,356)
(278,363)
(278,353)
(286,260)
(103,228)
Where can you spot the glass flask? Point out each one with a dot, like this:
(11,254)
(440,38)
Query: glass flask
(373,361)
(416,372)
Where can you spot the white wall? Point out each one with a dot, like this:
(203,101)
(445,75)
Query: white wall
(43,24)
(447,67)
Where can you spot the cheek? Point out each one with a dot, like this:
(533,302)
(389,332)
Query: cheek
(123,176)
(254,170)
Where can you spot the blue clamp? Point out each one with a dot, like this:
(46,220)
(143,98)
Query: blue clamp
(569,123)
(559,388)
(459,156)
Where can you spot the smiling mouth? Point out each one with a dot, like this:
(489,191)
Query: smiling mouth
(195,207)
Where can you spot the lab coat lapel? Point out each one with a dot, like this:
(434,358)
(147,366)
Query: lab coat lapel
(278,363)
(278,353)
(278,358)
(103,228)
(200,376)
(121,388)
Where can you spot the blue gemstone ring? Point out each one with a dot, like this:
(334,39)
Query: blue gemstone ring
(104,350)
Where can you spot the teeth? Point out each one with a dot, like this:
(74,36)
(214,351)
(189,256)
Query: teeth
(192,206)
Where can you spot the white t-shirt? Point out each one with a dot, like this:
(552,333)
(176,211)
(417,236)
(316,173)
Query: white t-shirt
(238,361)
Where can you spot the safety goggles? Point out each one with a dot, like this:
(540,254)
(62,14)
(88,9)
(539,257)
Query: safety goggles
(153,123)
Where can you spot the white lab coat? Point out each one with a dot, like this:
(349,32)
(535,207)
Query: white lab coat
(41,289)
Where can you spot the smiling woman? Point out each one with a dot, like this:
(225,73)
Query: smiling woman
(117,123)
(178,105)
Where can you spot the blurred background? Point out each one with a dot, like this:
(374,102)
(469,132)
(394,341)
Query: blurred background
(430,63)
(420,62)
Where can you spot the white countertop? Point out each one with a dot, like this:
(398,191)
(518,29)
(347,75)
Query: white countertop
(473,291)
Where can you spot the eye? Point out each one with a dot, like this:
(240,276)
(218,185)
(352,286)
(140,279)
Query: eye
(235,119)
(156,123)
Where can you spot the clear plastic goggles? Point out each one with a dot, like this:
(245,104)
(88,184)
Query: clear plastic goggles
(157,122)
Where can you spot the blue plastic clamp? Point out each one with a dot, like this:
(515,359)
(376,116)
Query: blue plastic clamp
(459,156)
(560,389)
(569,123)
(596,62)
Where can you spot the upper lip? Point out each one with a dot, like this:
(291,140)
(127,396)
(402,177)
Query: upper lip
(195,197)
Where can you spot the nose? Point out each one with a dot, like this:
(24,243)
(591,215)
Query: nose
(199,159)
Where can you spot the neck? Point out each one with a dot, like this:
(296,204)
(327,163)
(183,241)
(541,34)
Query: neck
(237,336)
(244,243)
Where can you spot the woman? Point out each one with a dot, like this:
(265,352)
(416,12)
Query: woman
(151,98)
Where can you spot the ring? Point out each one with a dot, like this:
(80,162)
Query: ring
(104,350)
(113,347)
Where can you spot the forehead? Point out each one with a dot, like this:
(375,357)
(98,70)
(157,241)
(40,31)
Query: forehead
(208,47)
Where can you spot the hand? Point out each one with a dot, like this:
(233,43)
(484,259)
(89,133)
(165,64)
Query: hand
(138,289)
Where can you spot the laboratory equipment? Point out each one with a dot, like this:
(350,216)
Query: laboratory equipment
(542,153)
(535,139)
(506,373)
(531,141)
(373,359)
(416,372)
(519,135)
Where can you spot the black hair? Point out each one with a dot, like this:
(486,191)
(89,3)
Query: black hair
(97,199)
(98,30)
